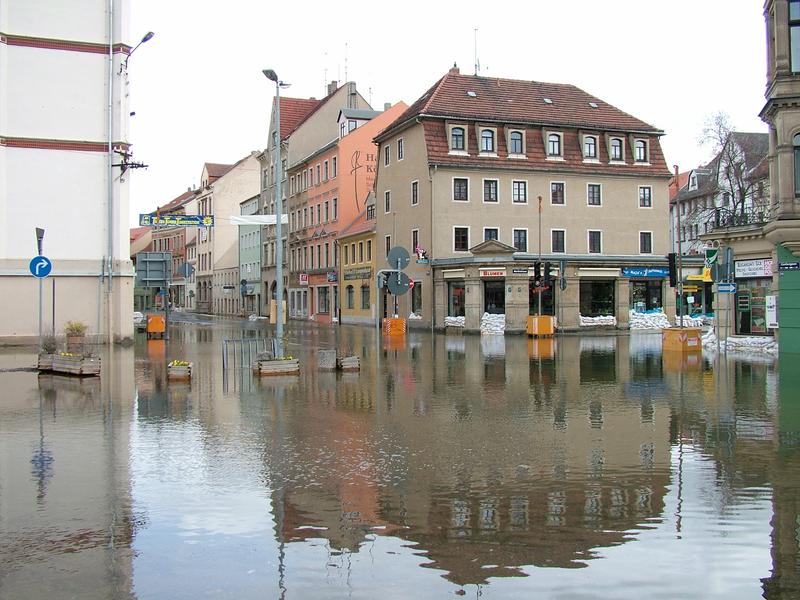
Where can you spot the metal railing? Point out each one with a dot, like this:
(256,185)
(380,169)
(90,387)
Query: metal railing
(243,351)
(724,218)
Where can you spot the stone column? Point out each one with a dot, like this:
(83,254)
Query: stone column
(516,302)
(569,318)
(473,303)
(623,292)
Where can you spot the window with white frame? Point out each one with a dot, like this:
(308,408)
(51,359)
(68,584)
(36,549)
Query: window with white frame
(487,140)
(325,171)
(460,189)
(645,196)
(460,239)
(333,168)
(490,233)
(457,139)
(590,147)
(554,144)
(516,143)
(616,151)
(519,192)
(594,194)
(645,242)
(400,149)
(558,241)
(521,240)
(386,155)
(640,147)
(557,195)
(490,190)
(387,201)
(595,242)
(414,193)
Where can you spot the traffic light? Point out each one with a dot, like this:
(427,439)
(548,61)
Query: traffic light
(537,274)
(673,271)
(548,274)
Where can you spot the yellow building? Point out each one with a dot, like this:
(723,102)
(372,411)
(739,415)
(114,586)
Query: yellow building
(357,272)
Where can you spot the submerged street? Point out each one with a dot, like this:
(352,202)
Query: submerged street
(450,465)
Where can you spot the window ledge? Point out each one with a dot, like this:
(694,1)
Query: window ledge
(458,152)
(518,156)
(593,161)
(617,162)
(642,164)
(556,158)
(488,154)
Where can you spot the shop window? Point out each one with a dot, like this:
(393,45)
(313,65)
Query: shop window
(416,298)
(456,293)
(323,300)
(796,143)
(597,298)
(646,295)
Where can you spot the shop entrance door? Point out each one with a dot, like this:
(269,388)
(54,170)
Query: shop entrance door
(494,297)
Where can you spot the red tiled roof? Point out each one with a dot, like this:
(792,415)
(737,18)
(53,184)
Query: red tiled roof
(439,153)
(294,111)
(516,101)
(683,178)
(217,170)
(137,232)
(177,202)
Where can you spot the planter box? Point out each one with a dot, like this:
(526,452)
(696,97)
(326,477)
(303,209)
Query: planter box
(180,371)
(45,362)
(277,367)
(76,365)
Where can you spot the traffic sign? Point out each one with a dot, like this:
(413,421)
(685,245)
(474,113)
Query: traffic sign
(398,283)
(40,266)
(398,254)
(726,288)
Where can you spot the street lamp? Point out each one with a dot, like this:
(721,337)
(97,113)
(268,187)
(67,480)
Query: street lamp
(273,76)
(147,37)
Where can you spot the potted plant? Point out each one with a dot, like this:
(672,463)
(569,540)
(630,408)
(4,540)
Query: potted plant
(46,353)
(75,331)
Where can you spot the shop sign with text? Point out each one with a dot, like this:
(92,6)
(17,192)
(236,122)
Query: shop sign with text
(493,272)
(760,267)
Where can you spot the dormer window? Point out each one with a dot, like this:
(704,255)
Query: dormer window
(554,144)
(616,149)
(515,143)
(692,182)
(487,140)
(457,139)
(589,146)
(640,149)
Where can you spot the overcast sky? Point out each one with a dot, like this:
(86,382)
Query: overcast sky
(199,94)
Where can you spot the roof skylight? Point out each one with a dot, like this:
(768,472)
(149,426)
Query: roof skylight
(548,101)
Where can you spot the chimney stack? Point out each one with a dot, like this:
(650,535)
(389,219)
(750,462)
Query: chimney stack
(332,87)
(454,70)
(387,105)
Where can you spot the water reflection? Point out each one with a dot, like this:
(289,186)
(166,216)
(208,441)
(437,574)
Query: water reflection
(450,463)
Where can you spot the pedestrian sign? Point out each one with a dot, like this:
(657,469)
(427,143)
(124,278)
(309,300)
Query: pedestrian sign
(40,266)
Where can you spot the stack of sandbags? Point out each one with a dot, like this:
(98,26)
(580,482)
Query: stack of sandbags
(594,321)
(349,363)
(493,324)
(414,316)
(741,344)
(455,321)
(689,321)
(648,320)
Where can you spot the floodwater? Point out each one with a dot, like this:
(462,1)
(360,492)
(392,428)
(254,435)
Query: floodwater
(450,466)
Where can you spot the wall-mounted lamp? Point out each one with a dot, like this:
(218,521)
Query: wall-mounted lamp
(147,37)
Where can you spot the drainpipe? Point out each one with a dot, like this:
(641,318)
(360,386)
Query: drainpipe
(433,230)
(110,225)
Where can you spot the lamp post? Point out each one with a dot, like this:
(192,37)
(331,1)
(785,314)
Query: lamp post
(273,76)
(147,37)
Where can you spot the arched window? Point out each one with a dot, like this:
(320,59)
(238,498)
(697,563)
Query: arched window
(616,149)
(590,147)
(350,297)
(641,151)
(554,145)
(365,297)
(796,144)
(457,138)
(487,140)
(516,142)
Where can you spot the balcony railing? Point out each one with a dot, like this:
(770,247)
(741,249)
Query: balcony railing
(724,218)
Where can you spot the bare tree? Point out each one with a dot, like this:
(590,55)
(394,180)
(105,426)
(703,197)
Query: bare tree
(739,159)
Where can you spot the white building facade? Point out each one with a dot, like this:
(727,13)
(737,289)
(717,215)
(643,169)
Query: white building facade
(63,150)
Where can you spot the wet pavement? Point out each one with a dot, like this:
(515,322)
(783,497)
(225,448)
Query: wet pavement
(450,466)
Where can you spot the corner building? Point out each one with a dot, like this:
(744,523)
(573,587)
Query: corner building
(487,177)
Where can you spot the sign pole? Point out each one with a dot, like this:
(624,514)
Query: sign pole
(39,244)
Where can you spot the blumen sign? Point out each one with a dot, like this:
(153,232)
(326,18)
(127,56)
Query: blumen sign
(645,272)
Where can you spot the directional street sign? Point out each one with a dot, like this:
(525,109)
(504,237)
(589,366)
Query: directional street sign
(40,266)
(727,288)
(398,254)
(398,283)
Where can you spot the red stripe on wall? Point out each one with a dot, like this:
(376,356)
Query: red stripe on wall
(69,145)
(68,45)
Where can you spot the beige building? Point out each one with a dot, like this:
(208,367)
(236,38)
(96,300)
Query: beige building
(484,178)
(356,246)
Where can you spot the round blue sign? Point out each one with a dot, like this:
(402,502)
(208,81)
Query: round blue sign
(40,266)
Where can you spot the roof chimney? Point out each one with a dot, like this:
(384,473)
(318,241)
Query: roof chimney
(332,87)
(454,70)
(387,105)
